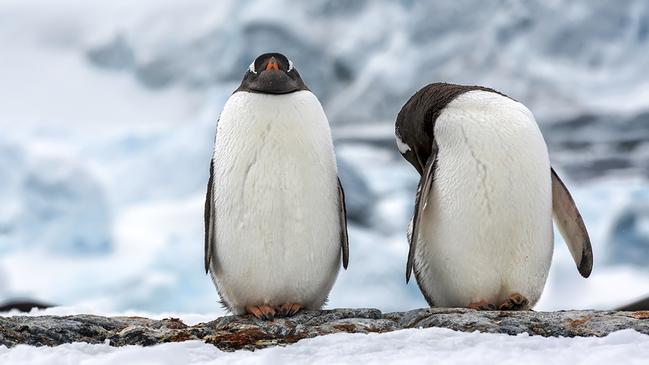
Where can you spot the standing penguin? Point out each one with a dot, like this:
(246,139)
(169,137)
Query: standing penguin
(481,235)
(275,221)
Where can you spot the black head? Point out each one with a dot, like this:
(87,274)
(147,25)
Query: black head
(416,121)
(272,73)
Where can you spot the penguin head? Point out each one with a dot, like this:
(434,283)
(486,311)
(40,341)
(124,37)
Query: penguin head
(272,73)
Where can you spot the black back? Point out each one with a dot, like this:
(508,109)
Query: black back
(283,79)
(416,120)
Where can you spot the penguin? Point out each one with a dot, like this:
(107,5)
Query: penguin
(275,217)
(481,235)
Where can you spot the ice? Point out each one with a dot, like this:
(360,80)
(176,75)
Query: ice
(559,65)
(52,204)
(359,199)
(609,286)
(629,241)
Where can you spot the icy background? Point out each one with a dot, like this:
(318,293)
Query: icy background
(108,111)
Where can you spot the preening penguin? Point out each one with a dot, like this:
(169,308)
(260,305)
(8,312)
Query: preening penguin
(481,234)
(275,221)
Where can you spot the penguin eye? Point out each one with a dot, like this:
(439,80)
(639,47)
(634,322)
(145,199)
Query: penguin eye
(290,66)
(251,68)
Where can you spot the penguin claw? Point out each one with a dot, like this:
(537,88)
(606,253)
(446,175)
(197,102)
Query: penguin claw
(482,305)
(288,309)
(283,310)
(515,302)
(294,309)
(254,311)
(262,312)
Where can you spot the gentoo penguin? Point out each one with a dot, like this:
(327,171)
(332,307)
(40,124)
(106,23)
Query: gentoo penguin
(275,220)
(481,235)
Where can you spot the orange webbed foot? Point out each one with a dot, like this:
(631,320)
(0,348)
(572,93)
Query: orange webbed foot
(482,305)
(288,309)
(515,302)
(264,312)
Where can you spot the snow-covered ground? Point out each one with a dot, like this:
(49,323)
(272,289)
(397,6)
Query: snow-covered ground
(412,346)
(108,111)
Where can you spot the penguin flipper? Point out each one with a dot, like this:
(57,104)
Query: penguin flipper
(344,242)
(571,226)
(423,189)
(209,219)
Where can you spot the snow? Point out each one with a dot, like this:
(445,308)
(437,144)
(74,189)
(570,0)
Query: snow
(109,109)
(412,346)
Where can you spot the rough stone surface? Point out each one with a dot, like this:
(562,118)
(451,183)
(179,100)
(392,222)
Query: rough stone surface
(245,332)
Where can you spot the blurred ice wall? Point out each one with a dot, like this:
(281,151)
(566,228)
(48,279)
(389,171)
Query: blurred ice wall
(108,109)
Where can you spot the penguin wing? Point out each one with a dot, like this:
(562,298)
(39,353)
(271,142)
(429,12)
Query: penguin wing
(344,242)
(571,226)
(423,189)
(209,219)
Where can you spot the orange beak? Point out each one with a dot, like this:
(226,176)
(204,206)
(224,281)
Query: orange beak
(272,64)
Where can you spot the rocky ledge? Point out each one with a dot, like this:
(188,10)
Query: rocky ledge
(245,332)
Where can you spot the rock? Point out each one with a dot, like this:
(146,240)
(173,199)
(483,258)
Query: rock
(231,333)
(22,305)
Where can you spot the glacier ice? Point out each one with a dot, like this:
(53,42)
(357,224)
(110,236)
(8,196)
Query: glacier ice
(52,204)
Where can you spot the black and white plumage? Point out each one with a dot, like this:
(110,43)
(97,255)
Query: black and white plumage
(481,233)
(275,220)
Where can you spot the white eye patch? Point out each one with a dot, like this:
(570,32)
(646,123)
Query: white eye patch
(290,65)
(251,68)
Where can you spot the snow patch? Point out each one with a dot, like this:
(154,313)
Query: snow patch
(441,346)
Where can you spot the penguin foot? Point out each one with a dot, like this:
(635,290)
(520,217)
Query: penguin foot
(515,302)
(262,312)
(482,305)
(288,309)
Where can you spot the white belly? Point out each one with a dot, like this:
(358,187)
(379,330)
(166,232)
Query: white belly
(487,228)
(275,189)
